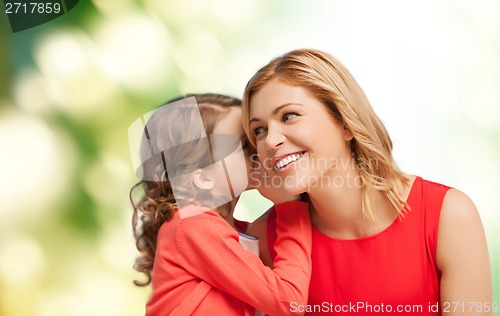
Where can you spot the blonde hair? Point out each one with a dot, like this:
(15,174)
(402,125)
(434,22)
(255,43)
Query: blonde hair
(332,84)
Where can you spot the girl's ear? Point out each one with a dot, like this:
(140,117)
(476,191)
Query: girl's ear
(202,180)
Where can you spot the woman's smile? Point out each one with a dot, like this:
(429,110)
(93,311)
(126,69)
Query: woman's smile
(284,163)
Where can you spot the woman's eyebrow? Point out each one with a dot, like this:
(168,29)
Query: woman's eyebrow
(275,111)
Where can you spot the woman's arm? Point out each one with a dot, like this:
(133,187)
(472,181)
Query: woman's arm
(462,257)
(210,250)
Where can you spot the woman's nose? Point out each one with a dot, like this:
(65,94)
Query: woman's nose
(274,138)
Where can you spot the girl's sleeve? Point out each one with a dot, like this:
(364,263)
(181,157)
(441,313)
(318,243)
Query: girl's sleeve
(209,249)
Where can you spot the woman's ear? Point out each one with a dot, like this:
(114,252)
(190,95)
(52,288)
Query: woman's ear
(347,134)
(202,180)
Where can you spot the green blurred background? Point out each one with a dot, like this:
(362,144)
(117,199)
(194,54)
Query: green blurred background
(69,89)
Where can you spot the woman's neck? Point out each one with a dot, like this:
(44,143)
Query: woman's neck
(337,211)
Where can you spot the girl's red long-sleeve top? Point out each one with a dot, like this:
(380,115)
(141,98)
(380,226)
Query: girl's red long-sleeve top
(201,269)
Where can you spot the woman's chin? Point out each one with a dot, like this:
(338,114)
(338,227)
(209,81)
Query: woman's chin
(294,190)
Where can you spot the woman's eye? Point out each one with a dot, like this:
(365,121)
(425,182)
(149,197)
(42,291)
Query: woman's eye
(288,116)
(259,130)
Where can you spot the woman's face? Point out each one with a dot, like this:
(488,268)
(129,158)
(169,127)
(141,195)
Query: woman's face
(298,141)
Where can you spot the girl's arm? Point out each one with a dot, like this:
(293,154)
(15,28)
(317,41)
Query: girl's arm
(210,250)
(462,257)
(276,194)
(258,228)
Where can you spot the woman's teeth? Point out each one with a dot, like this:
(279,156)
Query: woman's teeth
(286,160)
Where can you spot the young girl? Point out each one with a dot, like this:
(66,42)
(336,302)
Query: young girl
(383,241)
(190,252)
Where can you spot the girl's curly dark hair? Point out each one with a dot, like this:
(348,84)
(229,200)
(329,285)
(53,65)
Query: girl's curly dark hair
(157,203)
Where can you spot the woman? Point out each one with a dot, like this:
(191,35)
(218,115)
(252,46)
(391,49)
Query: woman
(191,166)
(383,240)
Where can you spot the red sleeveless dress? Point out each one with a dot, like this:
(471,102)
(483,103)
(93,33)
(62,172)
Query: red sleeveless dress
(391,272)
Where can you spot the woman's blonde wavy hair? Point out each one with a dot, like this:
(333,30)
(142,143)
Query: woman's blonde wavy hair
(157,203)
(332,84)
